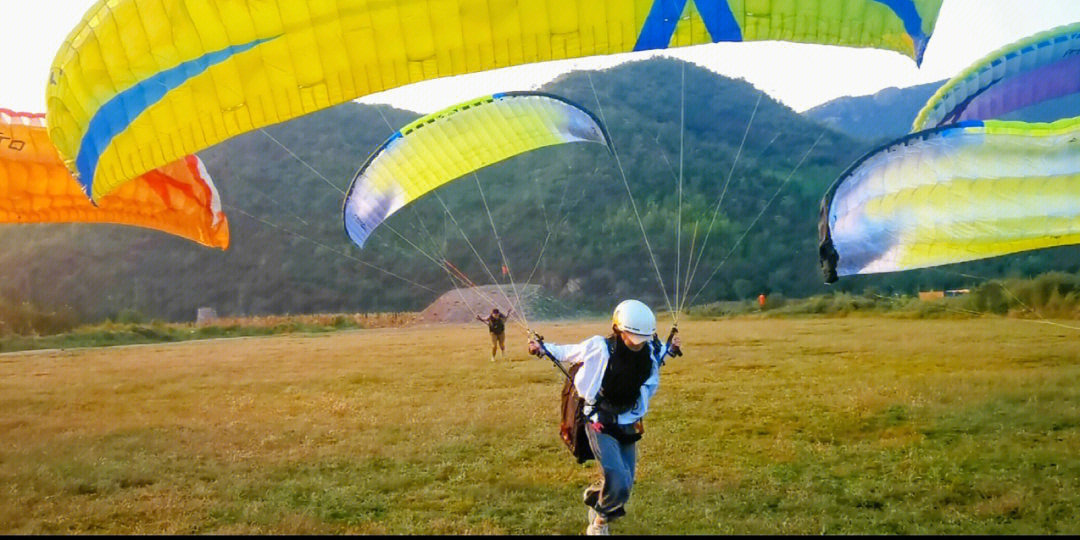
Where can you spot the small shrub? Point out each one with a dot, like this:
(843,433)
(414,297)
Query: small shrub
(130,316)
(990,297)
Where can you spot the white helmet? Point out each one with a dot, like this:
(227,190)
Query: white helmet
(634,317)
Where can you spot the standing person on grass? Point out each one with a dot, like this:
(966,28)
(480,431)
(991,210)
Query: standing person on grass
(497,328)
(618,376)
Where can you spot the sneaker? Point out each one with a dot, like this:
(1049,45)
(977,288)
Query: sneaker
(493,358)
(598,527)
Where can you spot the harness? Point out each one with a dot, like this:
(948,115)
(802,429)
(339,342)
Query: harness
(573,425)
(496,325)
(623,378)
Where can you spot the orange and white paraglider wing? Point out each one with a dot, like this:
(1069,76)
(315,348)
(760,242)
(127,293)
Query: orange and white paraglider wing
(179,198)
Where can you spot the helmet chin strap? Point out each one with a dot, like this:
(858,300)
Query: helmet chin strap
(672,351)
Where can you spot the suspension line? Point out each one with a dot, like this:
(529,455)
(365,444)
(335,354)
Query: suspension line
(762,212)
(633,204)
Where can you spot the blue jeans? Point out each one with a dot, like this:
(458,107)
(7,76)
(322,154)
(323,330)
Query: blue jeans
(617,462)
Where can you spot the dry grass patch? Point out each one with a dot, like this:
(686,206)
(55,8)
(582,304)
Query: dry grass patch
(766,426)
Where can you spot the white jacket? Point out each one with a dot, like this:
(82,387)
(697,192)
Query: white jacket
(593,356)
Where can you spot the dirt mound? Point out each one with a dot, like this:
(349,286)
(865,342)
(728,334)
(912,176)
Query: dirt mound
(463,305)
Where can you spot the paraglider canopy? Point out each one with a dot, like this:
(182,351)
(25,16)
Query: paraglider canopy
(1034,70)
(442,146)
(141,83)
(954,194)
(179,198)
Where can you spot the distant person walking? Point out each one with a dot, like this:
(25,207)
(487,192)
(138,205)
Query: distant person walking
(617,377)
(497,329)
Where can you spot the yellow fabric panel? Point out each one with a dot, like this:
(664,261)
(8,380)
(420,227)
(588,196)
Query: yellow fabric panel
(35,187)
(140,83)
(946,252)
(1064,126)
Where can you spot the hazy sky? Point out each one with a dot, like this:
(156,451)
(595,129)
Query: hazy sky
(801,76)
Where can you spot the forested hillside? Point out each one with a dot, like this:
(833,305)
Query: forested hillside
(563,215)
(880,117)
(888,114)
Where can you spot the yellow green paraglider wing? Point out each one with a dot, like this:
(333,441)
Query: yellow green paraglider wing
(443,146)
(954,194)
(1040,68)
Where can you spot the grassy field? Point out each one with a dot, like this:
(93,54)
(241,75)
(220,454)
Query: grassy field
(110,334)
(804,426)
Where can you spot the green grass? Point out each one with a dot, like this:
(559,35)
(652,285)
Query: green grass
(130,334)
(109,334)
(767,426)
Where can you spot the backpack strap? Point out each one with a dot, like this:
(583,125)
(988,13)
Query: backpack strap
(595,405)
(656,345)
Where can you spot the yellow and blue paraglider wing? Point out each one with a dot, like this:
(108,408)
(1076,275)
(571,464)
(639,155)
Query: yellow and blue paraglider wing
(954,194)
(1039,68)
(442,146)
(140,83)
